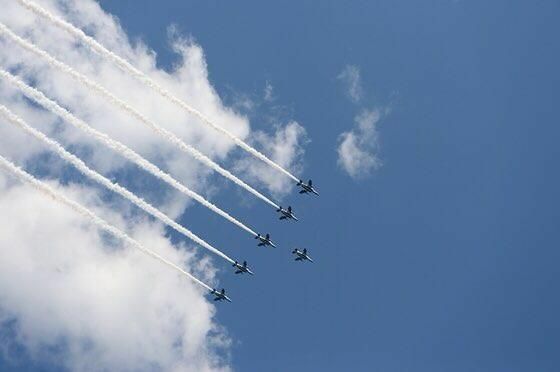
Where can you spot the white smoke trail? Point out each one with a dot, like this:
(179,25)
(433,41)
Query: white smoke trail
(83,168)
(167,135)
(97,221)
(122,149)
(139,75)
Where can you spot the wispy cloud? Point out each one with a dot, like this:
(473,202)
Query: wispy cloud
(268,95)
(91,291)
(284,147)
(351,78)
(358,148)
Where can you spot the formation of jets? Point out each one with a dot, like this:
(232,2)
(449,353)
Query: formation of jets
(265,240)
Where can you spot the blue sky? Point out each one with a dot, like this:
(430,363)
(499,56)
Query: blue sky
(445,258)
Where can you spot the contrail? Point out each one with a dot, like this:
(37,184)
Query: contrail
(122,149)
(172,138)
(97,221)
(83,168)
(139,75)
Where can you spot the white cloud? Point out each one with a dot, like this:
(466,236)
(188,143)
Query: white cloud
(285,148)
(68,295)
(352,80)
(358,149)
(64,287)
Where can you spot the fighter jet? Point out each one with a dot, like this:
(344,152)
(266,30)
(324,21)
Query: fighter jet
(286,213)
(306,188)
(302,255)
(265,240)
(220,296)
(242,268)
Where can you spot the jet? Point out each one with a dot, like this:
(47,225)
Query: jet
(265,240)
(242,268)
(302,255)
(286,213)
(306,188)
(220,296)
